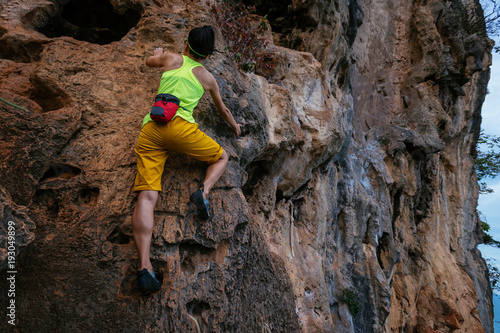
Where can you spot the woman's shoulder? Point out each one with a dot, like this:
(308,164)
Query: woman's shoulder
(204,76)
(172,61)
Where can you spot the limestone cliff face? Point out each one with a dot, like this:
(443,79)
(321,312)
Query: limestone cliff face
(355,170)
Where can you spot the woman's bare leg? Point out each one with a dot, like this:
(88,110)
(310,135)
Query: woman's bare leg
(214,172)
(142,226)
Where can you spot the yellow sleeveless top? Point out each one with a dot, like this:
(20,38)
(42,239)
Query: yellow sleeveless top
(182,83)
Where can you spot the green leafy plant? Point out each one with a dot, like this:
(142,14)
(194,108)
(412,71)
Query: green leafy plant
(349,297)
(487,238)
(487,166)
(245,40)
(488,161)
(494,274)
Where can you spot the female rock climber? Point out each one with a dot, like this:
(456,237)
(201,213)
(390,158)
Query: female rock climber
(186,78)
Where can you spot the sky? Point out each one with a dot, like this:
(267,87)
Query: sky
(489,204)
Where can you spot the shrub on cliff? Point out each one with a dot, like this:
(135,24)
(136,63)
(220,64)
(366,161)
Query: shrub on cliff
(494,274)
(487,166)
(488,160)
(349,297)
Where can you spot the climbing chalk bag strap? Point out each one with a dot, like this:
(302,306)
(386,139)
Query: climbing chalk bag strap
(165,107)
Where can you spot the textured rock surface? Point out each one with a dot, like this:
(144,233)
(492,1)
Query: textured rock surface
(355,170)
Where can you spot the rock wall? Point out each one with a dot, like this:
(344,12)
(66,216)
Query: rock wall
(355,170)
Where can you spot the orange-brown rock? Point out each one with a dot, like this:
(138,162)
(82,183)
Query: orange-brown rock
(354,170)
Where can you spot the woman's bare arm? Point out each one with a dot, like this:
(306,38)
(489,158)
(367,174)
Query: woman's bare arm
(213,88)
(165,59)
(157,59)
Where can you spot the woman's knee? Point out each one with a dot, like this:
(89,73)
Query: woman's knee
(148,196)
(223,156)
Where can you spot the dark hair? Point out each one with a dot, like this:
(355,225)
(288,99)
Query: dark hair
(201,41)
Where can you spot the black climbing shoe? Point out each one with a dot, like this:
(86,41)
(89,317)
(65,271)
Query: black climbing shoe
(200,203)
(147,283)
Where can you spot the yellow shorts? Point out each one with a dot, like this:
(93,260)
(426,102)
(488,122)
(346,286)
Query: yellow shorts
(155,142)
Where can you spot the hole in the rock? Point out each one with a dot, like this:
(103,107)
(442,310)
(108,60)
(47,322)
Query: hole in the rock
(3,31)
(279,195)
(417,153)
(20,49)
(197,307)
(48,200)
(289,25)
(367,238)
(60,170)
(396,204)
(415,254)
(118,237)
(46,93)
(256,171)
(341,232)
(94,21)
(188,266)
(442,126)
(342,73)
(340,219)
(385,253)
(282,16)
(88,196)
